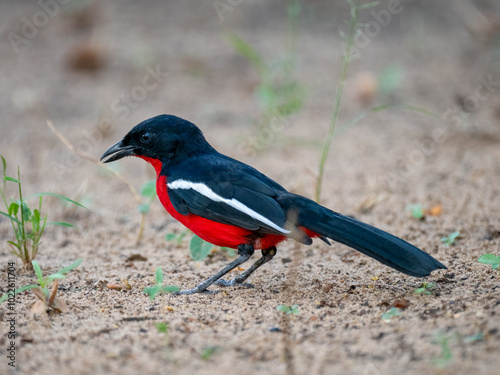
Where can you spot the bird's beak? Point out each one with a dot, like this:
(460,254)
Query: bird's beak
(118,151)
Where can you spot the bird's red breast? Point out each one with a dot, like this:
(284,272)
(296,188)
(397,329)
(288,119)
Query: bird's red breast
(219,234)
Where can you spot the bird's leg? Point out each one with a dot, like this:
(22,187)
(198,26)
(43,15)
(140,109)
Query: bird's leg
(245,251)
(267,255)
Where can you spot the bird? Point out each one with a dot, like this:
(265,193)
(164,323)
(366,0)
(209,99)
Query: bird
(231,204)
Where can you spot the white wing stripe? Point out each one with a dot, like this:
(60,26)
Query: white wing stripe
(209,193)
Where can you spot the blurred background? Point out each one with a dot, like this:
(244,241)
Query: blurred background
(419,123)
(257,77)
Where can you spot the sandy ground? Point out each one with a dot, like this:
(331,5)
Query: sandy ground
(394,158)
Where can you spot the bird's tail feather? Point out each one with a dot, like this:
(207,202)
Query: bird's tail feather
(386,248)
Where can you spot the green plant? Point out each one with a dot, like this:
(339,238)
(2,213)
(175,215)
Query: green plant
(177,237)
(347,47)
(279,93)
(159,288)
(148,190)
(162,327)
(47,297)
(209,351)
(417,211)
(446,356)
(491,259)
(199,248)
(290,310)
(450,239)
(393,311)
(28,224)
(425,288)
(389,79)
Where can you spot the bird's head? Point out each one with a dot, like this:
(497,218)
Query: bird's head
(162,138)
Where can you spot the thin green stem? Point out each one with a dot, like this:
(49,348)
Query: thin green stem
(338,100)
(22,229)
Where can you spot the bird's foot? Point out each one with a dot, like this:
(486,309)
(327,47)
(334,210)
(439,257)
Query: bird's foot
(233,282)
(195,290)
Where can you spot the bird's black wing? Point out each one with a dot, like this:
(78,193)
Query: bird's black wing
(227,191)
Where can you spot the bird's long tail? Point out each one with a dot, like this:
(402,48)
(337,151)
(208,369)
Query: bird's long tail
(386,248)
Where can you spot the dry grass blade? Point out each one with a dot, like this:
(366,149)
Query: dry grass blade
(84,155)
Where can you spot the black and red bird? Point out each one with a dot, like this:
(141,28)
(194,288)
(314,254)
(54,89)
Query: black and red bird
(231,204)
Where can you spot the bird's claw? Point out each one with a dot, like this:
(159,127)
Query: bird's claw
(194,291)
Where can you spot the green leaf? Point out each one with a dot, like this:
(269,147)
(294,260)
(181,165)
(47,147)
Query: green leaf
(11,217)
(149,189)
(53,277)
(368,5)
(143,208)
(61,224)
(198,248)
(390,79)
(495,266)
(245,50)
(489,259)
(26,211)
(11,179)
(14,244)
(283,308)
(170,236)
(451,238)
(38,272)
(417,211)
(170,289)
(13,208)
(394,311)
(209,351)
(162,327)
(475,337)
(72,266)
(151,291)
(4,163)
(36,216)
(5,296)
(57,196)
(159,276)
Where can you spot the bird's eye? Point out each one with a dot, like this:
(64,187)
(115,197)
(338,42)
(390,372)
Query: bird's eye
(146,137)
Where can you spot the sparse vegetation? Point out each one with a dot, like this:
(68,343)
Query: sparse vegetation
(490,259)
(393,312)
(450,239)
(48,299)
(28,224)
(289,310)
(159,288)
(425,288)
(445,357)
(417,211)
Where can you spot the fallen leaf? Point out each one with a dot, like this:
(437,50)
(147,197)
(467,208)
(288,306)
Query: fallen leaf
(436,210)
(118,286)
(86,57)
(401,303)
(135,257)
(59,305)
(38,307)
(38,291)
(53,292)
